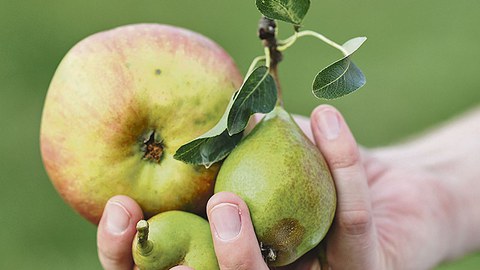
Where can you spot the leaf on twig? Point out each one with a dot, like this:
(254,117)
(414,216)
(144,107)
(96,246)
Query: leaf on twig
(291,11)
(341,77)
(212,146)
(258,94)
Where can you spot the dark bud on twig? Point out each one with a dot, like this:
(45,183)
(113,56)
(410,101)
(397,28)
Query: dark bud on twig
(266,28)
(266,32)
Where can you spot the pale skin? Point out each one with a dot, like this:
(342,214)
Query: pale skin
(408,206)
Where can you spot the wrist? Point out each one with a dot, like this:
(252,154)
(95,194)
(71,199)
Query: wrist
(448,221)
(437,229)
(460,202)
(452,191)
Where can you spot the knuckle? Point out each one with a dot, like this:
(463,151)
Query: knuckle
(233,263)
(346,160)
(355,222)
(110,257)
(234,266)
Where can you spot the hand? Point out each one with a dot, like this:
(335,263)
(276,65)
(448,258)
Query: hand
(116,232)
(384,218)
(388,217)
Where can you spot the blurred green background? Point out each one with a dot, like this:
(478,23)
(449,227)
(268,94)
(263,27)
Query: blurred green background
(421,63)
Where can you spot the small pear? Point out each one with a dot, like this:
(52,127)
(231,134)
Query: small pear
(174,238)
(286,184)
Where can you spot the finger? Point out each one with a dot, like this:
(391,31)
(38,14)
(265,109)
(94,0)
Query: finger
(309,261)
(181,267)
(233,235)
(116,231)
(304,124)
(254,120)
(353,236)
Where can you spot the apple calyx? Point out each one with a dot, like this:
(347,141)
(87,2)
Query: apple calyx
(153,148)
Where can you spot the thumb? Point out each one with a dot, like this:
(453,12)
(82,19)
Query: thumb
(116,231)
(351,245)
(234,239)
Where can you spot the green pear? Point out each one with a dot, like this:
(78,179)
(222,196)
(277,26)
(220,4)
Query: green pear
(174,238)
(286,184)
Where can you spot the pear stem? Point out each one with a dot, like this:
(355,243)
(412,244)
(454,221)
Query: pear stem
(267,33)
(274,73)
(144,245)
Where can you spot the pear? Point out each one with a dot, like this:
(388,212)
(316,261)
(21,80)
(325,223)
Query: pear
(174,238)
(286,184)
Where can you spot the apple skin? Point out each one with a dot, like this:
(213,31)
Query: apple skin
(110,93)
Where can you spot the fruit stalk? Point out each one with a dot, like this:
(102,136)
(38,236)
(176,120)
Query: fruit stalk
(267,33)
(143,244)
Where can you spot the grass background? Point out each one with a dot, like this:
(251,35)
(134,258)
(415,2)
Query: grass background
(421,63)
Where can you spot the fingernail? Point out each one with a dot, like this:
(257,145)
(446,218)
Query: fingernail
(328,124)
(118,217)
(226,220)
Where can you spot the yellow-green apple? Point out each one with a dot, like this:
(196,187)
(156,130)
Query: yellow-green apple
(120,104)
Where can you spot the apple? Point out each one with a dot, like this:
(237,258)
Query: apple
(118,107)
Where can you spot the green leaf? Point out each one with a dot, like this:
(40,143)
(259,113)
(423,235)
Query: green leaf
(212,146)
(291,11)
(353,44)
(258,94)
(341,77)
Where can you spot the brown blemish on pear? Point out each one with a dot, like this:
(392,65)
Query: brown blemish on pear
(280,239)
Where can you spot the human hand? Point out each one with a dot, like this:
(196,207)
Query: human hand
(384,219)
(389,216)
(117,229)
